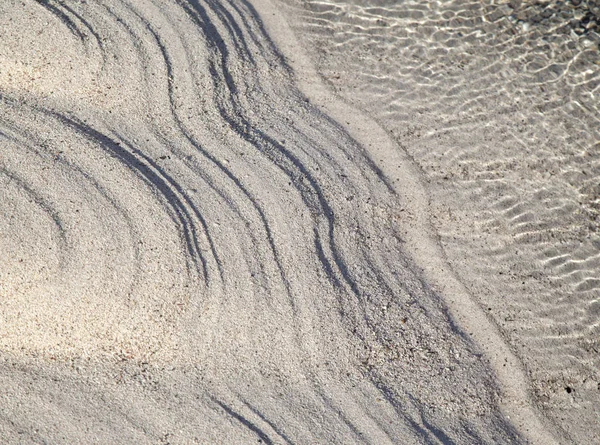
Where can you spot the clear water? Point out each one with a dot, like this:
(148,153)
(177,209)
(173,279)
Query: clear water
(497,104)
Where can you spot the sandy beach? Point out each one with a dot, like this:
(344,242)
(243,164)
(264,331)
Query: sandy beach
(298,222)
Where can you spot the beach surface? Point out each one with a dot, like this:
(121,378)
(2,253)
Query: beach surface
(496,104)
(278,221)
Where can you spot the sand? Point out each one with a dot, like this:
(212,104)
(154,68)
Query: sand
(204,240)
(495,103)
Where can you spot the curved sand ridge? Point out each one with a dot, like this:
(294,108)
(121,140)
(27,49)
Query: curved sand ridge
(194,252)
(496,104)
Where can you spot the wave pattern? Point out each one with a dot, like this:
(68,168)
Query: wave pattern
(193,253)
(496,102)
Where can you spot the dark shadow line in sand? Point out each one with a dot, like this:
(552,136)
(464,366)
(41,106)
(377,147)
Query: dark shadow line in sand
(441,437)
(96,185)
(274,151)
(423,433)
(85,23)
(273,49)
(270,423)
(233,114)
(143,167)
(241,419)
(42,203)
(64,18)
(235,32)
(225,170)
(298,174)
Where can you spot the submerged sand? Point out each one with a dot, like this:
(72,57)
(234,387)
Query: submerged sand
(201,243)
(496,104)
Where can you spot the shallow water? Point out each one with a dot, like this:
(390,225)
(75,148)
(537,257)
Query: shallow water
(497,104)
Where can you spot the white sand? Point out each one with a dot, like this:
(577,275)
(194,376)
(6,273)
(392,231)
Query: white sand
(201,244)
(495,103)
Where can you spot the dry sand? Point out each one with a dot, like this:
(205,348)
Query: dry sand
(201,243)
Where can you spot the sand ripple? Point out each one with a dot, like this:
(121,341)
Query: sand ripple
(497,104)
(192,252)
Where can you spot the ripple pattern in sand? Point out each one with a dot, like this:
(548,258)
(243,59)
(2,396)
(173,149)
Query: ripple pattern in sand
(496,101)
(192,252)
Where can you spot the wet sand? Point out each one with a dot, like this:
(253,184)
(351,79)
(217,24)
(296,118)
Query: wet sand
(205,239)
(496,105)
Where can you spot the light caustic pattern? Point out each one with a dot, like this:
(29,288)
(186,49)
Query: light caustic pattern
(190,251)
(497,102)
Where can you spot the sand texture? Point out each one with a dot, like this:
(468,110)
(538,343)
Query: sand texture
(204,239)
(496,104)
